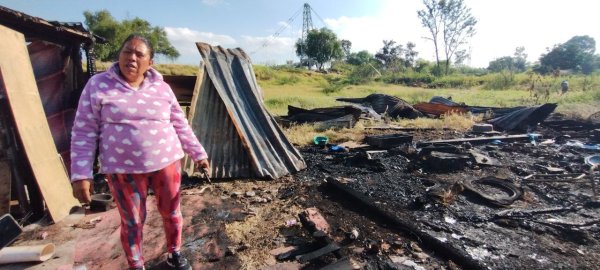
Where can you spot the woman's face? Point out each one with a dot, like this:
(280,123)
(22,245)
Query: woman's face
(134,60)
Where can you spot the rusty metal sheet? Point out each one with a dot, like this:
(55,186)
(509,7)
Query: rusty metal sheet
(439,109)
(242,139)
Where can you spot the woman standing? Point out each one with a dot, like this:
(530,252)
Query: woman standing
(132,116)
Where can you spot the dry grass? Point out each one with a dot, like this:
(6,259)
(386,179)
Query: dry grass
(304,134)
(448,196)
(260,230)
(459,122)
(579,111)
(166,69)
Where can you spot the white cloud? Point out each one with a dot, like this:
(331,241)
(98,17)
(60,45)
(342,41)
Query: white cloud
(369,32)
(269,50)
(184,40)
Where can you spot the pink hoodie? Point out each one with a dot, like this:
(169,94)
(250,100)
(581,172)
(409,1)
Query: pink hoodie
(137,131)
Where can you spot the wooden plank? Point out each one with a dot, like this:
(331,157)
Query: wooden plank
(388,140)
(188,163)
(329,248)
(476,140)
(24,100)
(4,188)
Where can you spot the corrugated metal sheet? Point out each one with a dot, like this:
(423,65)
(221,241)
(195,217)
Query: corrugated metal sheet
(523,119)
(242,139)
(35,27)
(439,109)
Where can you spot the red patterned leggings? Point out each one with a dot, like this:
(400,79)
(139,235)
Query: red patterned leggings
(130,192)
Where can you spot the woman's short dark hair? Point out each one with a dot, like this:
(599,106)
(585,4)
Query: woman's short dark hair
(139,37)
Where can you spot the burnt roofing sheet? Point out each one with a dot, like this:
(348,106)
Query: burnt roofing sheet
(242,139)
(35,27)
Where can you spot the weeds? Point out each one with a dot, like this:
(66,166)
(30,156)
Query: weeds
(287,80)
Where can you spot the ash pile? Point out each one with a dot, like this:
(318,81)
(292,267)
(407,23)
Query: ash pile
(481,200)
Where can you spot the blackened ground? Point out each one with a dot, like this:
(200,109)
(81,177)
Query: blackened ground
(552,225)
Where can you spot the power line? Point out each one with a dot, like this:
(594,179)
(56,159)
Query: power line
(279,31)
(313,10)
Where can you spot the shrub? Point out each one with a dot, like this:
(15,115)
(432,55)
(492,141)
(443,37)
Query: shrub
(283,80)
(264,73)
(362,74)
(456,81)
(500,81)
(409,79)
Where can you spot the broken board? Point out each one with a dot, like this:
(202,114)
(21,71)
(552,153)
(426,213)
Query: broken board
(18,81)
(4,187)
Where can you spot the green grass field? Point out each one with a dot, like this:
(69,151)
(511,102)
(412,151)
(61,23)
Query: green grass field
(310,89)
(307,90)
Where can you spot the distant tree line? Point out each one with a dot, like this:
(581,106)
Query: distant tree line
(449,22)
(451,25)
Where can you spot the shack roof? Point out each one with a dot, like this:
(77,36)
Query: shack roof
(38,28)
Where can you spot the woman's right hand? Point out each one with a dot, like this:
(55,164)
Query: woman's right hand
(82,190)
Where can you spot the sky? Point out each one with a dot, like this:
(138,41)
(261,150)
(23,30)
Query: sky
(268,29)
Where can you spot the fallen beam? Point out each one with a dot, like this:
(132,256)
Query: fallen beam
(331,247)
(407,129)
(478,140)
(388,140)
(443,249)
(5,190)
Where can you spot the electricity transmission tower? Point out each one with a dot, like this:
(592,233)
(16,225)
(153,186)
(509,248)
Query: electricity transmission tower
(307,25)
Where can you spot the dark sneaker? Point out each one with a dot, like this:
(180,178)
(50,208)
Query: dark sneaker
(176,261)
(137,268)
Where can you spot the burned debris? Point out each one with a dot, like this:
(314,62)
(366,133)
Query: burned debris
(486,202)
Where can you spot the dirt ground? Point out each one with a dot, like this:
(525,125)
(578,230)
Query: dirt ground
(396,208)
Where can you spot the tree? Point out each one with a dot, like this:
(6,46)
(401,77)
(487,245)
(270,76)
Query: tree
(500,64)
(410,55)
(450,24)
(460,56)
(520,58)
(101,23)
(516,63)
(390,55)
(577,54)
(346,46)
(359,58)
(320,45)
